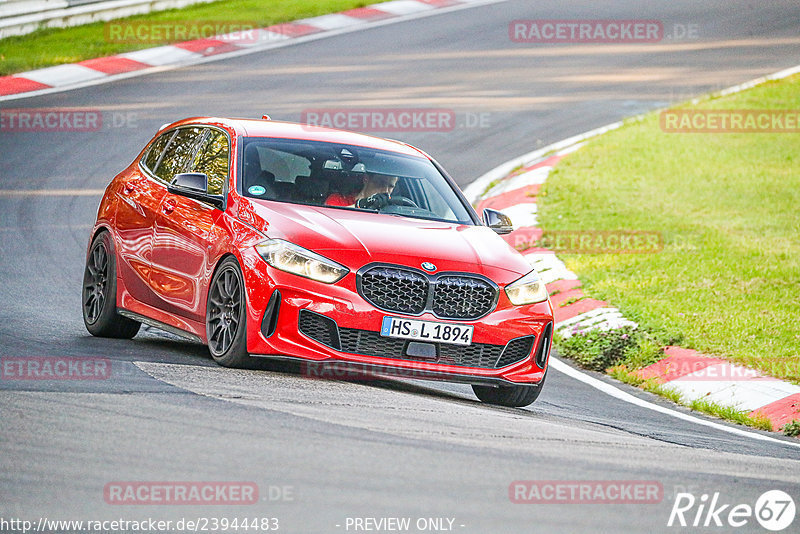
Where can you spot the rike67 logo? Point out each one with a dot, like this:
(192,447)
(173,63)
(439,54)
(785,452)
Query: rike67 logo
(774,510)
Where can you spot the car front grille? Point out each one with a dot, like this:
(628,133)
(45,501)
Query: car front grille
(395,289)
(450,296)
(462,297)
(369,343)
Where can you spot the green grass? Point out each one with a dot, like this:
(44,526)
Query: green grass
(792,429)
(48,47)
(731,414)
(728,206)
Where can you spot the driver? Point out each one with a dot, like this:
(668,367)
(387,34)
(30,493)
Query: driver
(374,194)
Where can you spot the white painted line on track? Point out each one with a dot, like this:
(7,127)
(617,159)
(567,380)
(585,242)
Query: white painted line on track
(617,393)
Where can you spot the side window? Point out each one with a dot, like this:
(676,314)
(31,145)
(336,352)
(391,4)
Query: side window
(179,152)
(151,159)
(212,160)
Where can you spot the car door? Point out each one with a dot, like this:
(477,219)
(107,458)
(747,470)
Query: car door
(185,230)
(140,198)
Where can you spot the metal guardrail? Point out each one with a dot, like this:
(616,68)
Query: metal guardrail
(18,17)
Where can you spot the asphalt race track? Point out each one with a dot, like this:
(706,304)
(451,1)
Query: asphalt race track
(324,451)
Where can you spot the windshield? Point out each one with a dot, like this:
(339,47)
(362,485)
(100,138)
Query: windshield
(348,177)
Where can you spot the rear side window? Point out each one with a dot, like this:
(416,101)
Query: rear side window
(156,149)
(212,160)
(178,154)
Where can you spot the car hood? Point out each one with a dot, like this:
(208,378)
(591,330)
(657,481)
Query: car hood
(355,238)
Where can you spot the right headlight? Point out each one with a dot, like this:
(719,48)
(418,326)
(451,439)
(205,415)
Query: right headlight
(297,260)
(527,290)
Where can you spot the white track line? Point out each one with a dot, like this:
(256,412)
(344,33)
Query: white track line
(617,393)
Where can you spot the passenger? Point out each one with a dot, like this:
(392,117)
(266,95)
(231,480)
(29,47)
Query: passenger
(374,184)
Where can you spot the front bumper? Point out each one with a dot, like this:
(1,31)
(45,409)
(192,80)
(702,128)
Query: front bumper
(342,339)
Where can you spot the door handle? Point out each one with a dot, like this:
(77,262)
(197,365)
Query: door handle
(168,206)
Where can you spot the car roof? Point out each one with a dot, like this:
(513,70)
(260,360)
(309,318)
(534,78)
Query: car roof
(293,130)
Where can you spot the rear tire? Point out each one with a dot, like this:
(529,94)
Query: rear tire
(100,293)
(512,396)
(226,317)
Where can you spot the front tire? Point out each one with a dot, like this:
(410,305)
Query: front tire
(226,318)
(100,293)
(512,396)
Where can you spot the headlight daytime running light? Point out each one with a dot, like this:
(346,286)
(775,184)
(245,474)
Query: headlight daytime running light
(527,290)
(291,258)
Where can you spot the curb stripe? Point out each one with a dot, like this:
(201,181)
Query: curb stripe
(517,196)
(405,7)
(292,29)
(564,296)
(573,310)
(113,65)
(562,285)
(679,362)
(61,75)
(208,47)
(161,55)
(11,85)
(332,21)
(781,411)
(367,13)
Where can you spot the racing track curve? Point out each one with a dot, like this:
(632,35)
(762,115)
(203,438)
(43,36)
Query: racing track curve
(354,449)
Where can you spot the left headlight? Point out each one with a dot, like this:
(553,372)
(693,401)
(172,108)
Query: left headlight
(297,260)
(527,290)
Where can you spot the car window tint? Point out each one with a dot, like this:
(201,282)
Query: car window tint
(212,160)
(337,175)
(156,149)
(178,154)
(286,166)
(433,198)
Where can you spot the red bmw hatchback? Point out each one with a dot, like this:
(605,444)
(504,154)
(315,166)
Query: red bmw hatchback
(272,239)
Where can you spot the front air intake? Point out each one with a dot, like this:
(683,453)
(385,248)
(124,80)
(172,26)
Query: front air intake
(544,346)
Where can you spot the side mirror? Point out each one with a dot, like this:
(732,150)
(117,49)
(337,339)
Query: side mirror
(194,185)
(497,221)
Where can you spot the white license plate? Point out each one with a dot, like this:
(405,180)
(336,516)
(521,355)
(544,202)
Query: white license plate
(426,330)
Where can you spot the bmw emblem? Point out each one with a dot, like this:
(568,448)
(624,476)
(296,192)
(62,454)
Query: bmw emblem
(428,266)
